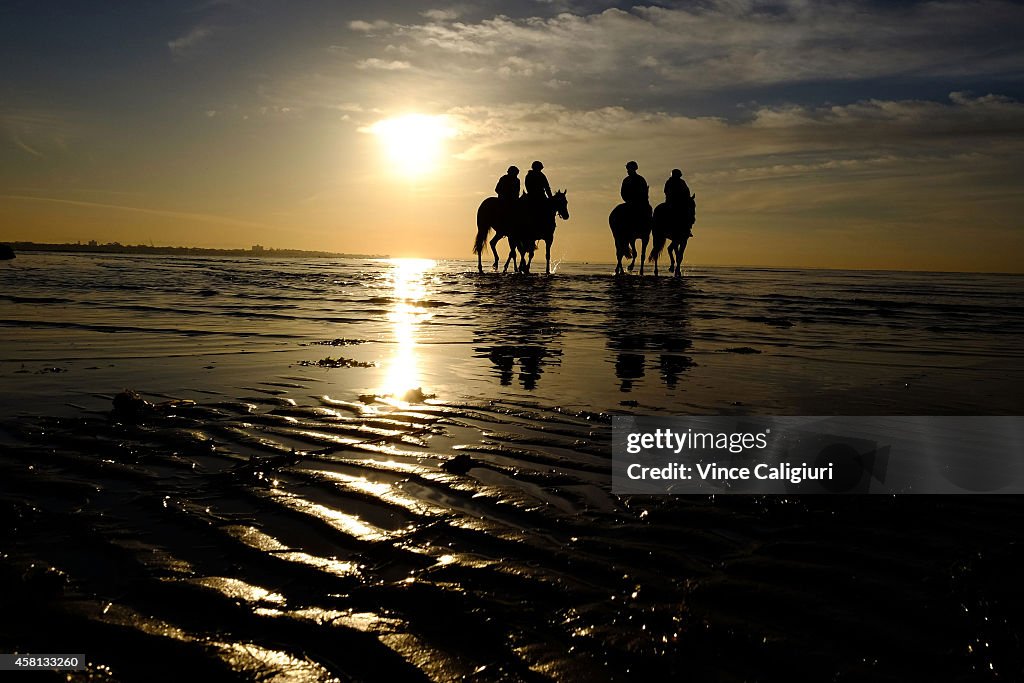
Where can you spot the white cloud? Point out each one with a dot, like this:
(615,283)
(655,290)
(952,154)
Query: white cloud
(385,65)
(724,44)
(440,14)
(369,26)
(885,173)
(906,141)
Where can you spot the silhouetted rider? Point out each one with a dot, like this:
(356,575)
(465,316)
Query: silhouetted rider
(634,186)
(508,185)
(677,192)
(537,186)
(635,191)
(678,197)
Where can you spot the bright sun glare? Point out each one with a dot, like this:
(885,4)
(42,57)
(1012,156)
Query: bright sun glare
(414,141)
(408,279)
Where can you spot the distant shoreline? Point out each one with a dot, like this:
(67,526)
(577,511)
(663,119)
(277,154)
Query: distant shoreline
(144,249)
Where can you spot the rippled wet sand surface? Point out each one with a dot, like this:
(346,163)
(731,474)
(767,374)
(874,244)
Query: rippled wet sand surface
(440,507)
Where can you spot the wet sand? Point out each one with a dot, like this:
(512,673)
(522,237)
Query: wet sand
(437,505)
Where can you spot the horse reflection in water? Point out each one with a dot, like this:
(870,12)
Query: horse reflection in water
(530,339)
(523,222)
(648,328)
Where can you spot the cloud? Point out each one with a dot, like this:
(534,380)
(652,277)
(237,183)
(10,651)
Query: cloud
(385,65)
(369,26)
(37,132)
(184,215)
(440,14)
(192,39)
(859,184)
(777,159)
(722,44)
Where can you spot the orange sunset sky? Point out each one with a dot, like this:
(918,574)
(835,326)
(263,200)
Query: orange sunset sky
(860,134)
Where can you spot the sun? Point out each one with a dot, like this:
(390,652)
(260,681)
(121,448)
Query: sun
(414,142)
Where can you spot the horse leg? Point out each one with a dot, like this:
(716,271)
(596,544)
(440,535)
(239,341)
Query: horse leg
(632,252)
(643,254)
(547,257)
(480,261)
(679,258)
(494,250)
(511,257)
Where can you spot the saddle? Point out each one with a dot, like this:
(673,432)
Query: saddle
(640,210)
(684,208)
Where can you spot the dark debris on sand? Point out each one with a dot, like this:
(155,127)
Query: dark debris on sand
(338,342)
(339,362)
(416,395)
(129,406)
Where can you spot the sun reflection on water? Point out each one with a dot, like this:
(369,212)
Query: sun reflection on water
(408,279)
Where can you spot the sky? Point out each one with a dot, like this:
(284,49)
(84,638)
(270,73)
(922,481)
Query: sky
(835,134)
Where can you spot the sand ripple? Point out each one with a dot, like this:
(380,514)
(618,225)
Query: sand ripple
(290,539)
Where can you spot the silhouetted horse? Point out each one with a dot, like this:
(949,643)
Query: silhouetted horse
(504,217)
(629,224)
(538,224)
(523,222)
(673,223)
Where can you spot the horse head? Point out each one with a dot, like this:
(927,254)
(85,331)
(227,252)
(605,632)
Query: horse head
(561,204)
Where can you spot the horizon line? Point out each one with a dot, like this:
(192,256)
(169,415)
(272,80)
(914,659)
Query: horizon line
(382,257)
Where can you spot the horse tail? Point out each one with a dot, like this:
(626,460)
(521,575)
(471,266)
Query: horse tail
(657,246)
(659,234)
(615,221)
(482,228)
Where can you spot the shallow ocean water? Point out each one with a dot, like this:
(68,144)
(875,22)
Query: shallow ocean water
(438,506)
(719,340)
